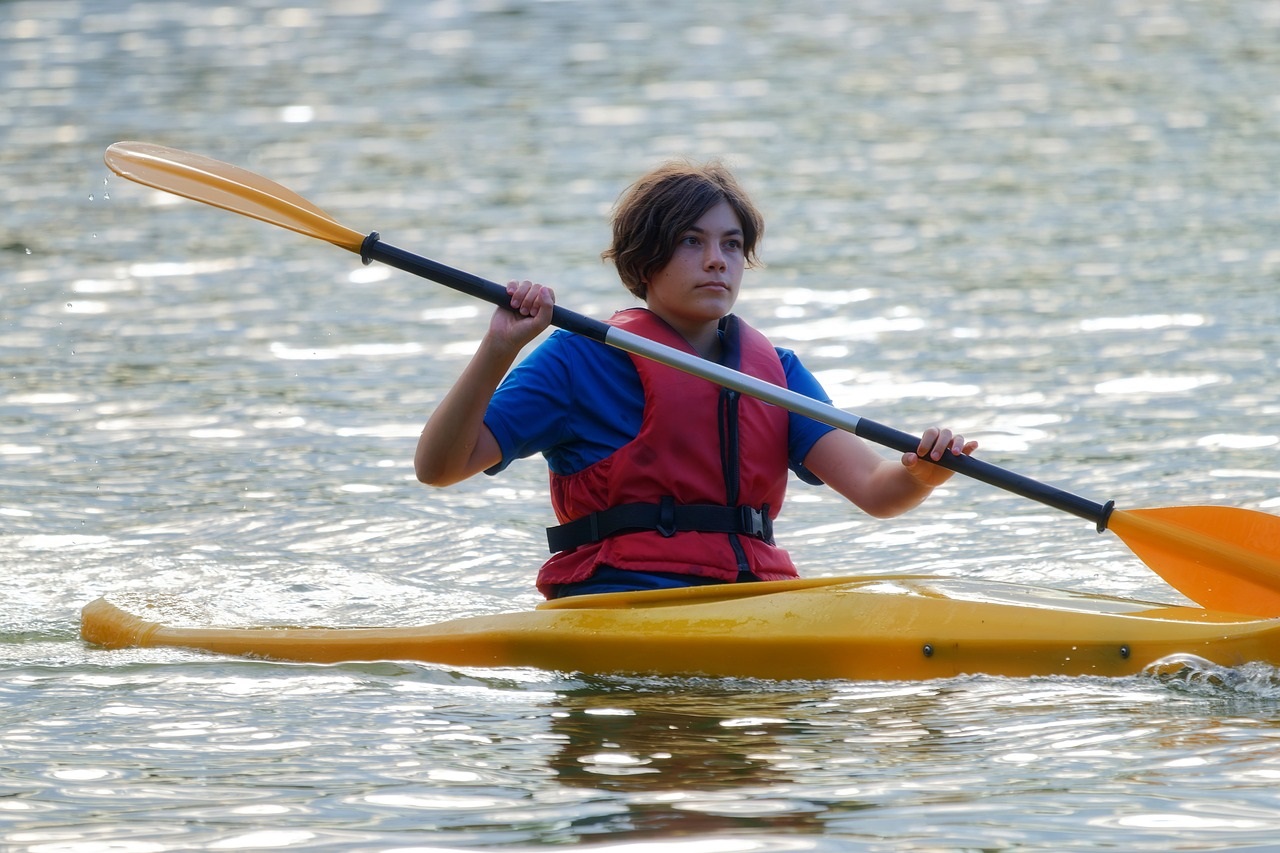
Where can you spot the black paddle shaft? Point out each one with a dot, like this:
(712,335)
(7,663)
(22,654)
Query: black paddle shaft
(373,249)
(992,474)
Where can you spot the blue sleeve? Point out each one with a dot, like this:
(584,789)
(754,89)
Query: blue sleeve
(572,399)
(804,431)
(526,414)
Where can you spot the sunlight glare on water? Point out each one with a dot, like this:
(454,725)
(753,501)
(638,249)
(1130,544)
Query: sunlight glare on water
(1051,226)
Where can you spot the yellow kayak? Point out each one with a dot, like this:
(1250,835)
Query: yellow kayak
(888,627)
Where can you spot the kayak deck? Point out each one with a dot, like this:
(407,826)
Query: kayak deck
(890,627)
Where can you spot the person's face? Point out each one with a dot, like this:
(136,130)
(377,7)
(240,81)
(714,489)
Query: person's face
(700,283)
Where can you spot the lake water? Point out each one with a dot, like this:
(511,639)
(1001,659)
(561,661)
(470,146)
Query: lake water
(1052,225)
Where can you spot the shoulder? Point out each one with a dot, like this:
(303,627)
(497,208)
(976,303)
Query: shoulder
(570,345)
(566,360)
(578,351)
(565,350)
(788,357)
(799,378)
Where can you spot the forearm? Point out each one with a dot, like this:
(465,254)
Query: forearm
(892,490)
(455,444)
(878,486)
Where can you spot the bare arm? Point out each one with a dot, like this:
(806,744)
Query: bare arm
(455,444)
(881,487)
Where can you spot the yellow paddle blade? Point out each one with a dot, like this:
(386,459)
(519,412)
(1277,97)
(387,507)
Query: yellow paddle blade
(1222,558)
(228,187)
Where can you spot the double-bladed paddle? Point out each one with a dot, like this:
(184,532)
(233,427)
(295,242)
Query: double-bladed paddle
(1223,558)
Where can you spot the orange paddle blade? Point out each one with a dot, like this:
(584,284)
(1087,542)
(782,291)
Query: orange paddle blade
(229,187)
(1222,558)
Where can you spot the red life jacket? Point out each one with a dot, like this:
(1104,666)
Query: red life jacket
(703,454)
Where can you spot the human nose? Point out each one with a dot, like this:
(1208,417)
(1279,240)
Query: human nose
(714,258)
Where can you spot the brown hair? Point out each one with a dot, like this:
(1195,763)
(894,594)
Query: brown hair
(656,210)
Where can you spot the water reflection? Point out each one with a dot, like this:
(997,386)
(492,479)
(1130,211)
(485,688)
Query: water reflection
(833,760)
(693,764)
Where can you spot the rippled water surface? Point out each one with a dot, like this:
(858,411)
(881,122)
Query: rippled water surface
(1052,225)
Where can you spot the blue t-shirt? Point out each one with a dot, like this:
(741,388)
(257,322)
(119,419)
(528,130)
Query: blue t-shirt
(576,401)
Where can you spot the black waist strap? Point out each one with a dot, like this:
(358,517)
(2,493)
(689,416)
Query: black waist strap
(667,518)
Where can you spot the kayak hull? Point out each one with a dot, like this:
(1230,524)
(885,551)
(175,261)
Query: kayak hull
(892,627)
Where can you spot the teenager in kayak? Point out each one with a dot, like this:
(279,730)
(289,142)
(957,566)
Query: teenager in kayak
(658,478)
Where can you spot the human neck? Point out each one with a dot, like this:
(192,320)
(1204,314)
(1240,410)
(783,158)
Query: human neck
(704,337)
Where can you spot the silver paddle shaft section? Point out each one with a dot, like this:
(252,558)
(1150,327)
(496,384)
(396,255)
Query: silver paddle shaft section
(729,378)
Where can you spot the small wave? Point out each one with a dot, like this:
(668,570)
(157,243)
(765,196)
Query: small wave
(1194,674)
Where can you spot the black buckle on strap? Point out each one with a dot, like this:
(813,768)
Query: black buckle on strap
(757,523)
